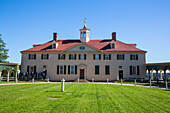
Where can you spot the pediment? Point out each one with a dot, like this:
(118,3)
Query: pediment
(82,48)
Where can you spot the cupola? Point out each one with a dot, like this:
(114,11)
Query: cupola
(54,42)
(84,33)
(113,42)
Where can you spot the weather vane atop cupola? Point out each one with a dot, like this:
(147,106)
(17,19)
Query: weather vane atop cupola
(85,20)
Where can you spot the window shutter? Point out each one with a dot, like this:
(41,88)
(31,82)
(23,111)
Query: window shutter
(117,57)
(104,57)
(79,56)
(136,57)
(109,56)
(99,56)
(68,69)
(28,69)
(69,56)
(34,56)
(75,57)
(64,69)
(47,56)
(130,70)
(84,56)
(64,56)
(130,57)
(138,72)
(93,56)
(35,70)
(58,69)
(123,56)
(107,70)
(58,56)
(29,56)
(75,69)
(41,56)
(96,69)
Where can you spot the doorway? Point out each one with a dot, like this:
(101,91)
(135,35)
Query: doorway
(120,74)
(81,73)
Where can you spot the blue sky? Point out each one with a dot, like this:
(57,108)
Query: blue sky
(144,22)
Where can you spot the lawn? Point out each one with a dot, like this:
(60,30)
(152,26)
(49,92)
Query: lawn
(83,97)
(154,83)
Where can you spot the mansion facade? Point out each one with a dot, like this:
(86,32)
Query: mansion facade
(85,59)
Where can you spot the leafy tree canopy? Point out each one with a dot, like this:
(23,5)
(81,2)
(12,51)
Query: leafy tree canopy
(3,51)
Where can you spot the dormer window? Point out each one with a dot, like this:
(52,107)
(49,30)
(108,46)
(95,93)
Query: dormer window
(54,46)
(113,46)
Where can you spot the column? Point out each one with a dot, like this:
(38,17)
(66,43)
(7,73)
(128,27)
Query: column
(161,74)
(0,75)
(7,76)
(157,75)
(165,75)
(151,74)
(16,76)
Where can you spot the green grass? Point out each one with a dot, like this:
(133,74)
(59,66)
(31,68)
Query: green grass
(154,83)
(82,97)
(30,81)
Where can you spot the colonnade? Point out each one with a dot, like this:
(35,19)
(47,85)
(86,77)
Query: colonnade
(8,76)
(159,68)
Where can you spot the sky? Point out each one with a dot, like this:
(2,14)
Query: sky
(144,22)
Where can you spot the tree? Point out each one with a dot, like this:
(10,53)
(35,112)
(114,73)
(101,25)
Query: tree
(3,51)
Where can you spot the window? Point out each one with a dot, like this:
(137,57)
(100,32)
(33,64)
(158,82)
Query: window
(84,34)
(32,56)
(96,69)
(72,69)
(44,66)
(87,34)
(61,56)
(120,56)
(97,56)
(72,56)
(81,34)
(61,69)
(134,57)
(44,56)
(54,46)
(120,67)
(107,57)
(134,70)
(82,56)
(113,45)
(107,70)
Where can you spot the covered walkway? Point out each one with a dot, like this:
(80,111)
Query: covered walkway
(159,68)
(9,71)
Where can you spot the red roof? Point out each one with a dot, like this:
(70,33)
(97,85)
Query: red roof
(103,45)
(84,28)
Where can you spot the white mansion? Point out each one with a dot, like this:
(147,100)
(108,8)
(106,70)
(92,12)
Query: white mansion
(85,59)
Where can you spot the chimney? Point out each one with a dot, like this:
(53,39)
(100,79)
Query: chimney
(55,36)
(114,36)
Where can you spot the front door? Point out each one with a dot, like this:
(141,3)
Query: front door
(120,74)
(81,73)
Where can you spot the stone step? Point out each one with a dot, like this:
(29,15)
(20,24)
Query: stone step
(82,81)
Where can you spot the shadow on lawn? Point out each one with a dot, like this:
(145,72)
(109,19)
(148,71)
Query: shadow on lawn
(167,90)
(53,91)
